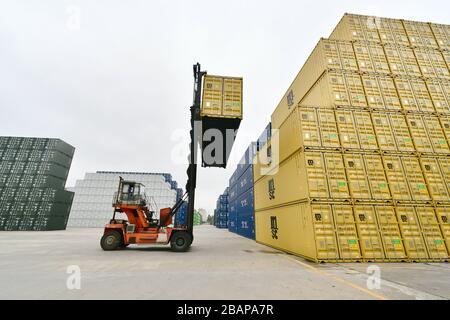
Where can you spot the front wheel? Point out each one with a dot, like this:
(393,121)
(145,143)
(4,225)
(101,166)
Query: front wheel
(181,241)
(111,240)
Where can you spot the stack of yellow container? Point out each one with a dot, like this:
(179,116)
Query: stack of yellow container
(358,168)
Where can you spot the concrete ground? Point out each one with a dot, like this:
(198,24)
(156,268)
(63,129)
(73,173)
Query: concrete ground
(220,265)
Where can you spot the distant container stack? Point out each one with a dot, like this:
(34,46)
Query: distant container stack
(180,220)
(241,216)
(221,213)
(92,204)
(33,173)
(198,220)
(358,166)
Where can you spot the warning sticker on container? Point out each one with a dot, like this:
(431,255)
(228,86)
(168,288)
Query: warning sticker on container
(438,242)
(408,139)
(382,185)
(370,138)
(342,184)
(396,241)
(442,142)
(333,136)
(352,242)
(422,187)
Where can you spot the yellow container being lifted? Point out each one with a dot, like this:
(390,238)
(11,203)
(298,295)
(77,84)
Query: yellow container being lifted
(221,113)
(222,97)
(358,166)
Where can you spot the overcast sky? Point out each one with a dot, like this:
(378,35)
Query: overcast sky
(114,78)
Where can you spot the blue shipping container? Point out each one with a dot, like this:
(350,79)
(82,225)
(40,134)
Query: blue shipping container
(232,218)
(233,193)
(222,224)
(245,182)
(233,179)
(265,137)
(246,160)
(245,209)
(181,216)
(245,203)
(246,226)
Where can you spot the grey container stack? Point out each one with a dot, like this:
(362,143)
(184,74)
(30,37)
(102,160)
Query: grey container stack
(33,174)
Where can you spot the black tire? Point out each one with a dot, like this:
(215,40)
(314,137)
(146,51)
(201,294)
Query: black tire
(181,241)
(112,240)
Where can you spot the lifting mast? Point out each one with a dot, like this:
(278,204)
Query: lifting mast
(192,158)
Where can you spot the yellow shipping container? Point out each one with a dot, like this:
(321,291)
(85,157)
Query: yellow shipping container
(313,128)
(301,176)
(301,229)
(329,232)
(328,55)
(222,97)
(415,178)
(366,133)
(346,233)
(379,187)
(306,128)
(378,92)
(434,179)
(420,34)
(445,125)
(396,177)
(438,96)
(390,233)
(389,92)
(431,231)
(347,129)
(443,216)
(436,135)
(263,163)
(432,63)
(411,233)
(357,177)
(232,97)
(417,34)
(419,133)
(401,133)
(331,90)
(212,96)
(392,31)
(373,91)
(357,28)
(368,58)
(323,232)
(383,131)
(369,235)
(337,179)
(442,35)
(444,164)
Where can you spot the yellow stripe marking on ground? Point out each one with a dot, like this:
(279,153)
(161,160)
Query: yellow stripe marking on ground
(336,278)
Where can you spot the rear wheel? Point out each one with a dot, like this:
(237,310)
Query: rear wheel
(112,240)
(181,241)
